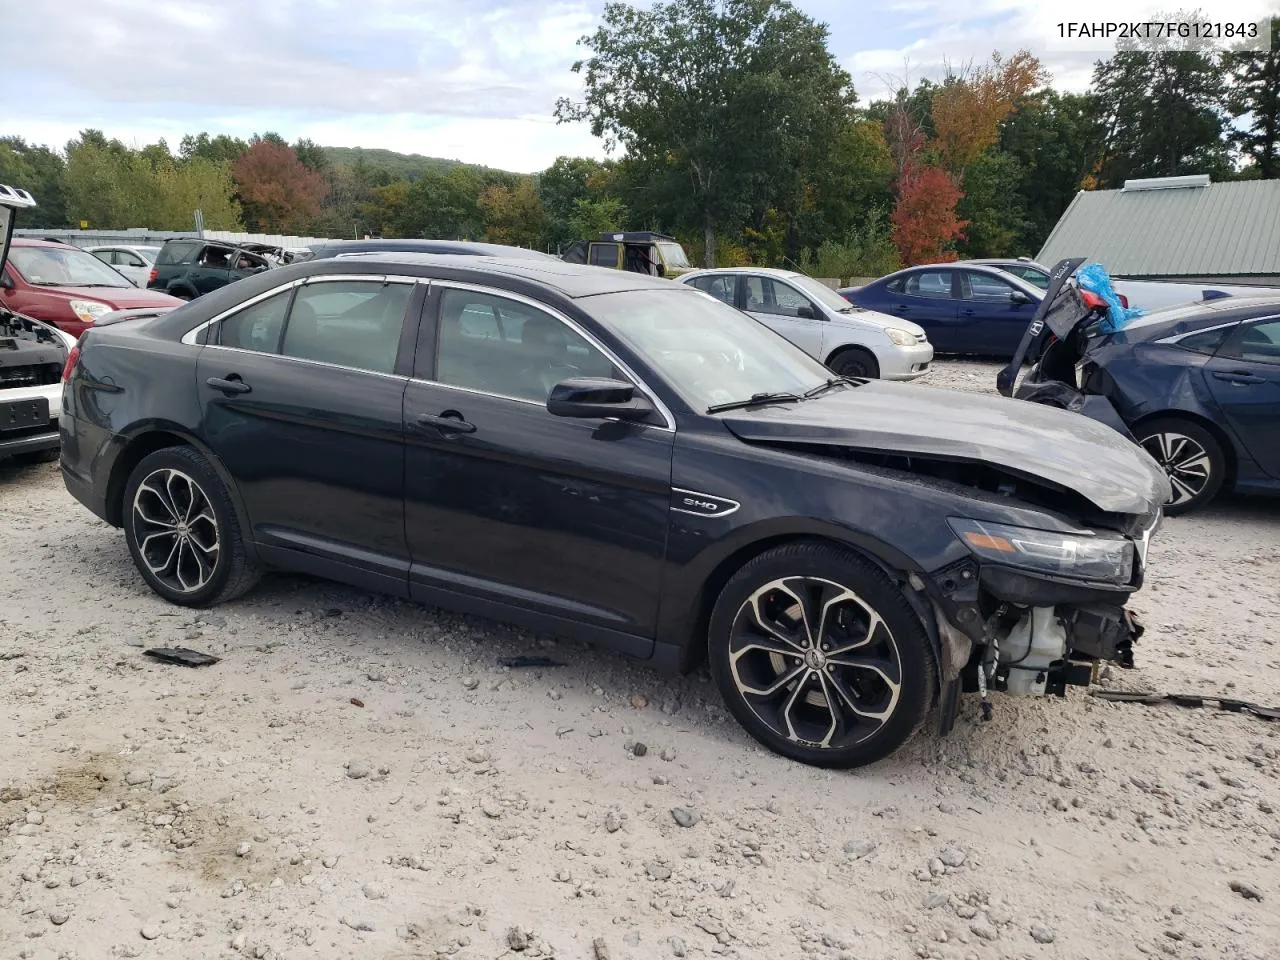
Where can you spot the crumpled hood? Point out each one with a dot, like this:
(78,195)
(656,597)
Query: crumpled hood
(1065,449)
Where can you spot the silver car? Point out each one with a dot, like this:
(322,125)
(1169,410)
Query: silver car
(850,340)
(134,261)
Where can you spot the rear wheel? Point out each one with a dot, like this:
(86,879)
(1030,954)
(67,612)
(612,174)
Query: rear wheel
(1191,457)
(819,656)
(182,530)
(855,362)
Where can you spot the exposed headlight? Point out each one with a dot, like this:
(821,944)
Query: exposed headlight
(899,337)
(88,311)
(1077,556)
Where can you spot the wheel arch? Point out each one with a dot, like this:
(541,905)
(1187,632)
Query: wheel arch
(851,348)
(691,649)
(159,436)
(1225,441)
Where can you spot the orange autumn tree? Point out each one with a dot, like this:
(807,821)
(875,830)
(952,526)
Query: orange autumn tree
(925,224)
(972,103)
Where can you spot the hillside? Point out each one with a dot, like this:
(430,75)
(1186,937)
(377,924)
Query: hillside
(399,165)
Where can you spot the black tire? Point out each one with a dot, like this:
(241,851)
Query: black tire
(751,665)
(205,561)
(1191,456)
(855,362)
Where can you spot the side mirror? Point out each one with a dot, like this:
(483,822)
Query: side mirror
(806,313)
(1018,298)
(661,268)
(6,281)
(598,397)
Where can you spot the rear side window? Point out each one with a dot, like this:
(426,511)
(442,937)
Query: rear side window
(180,251)
(1206,341)
(604,255)
(929,283)
(721,287)
(349,323)
(256,327)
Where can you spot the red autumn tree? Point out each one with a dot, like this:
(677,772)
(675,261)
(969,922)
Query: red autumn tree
(924,218)
(278,193)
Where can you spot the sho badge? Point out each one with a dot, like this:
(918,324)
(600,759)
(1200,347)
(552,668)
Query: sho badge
(701,504)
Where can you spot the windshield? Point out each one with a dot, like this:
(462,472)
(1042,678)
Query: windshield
(64,266)
(707,351)
(673,255)
(822,293)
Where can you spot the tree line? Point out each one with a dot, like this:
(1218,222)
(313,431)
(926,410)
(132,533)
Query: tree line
(736,130)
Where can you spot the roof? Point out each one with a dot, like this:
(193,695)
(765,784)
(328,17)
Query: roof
(335,248)
(635,236)
(1178,226)
(569,279)
(768,271)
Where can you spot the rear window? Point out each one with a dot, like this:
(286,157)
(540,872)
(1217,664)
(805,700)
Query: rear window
(182,251)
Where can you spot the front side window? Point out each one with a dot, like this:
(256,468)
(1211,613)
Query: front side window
(766,295)
(349,323)
(706,351)
(988,289)
(179,251)
(63,266)
(501,346)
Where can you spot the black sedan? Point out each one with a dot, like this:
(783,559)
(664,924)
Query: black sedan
(623,459)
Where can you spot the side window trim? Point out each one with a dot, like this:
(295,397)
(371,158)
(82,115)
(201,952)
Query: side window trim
(425,361)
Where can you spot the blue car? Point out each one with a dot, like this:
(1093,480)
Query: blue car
(963,307)
(1197,385)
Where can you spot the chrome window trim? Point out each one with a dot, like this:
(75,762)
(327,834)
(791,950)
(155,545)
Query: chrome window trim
(191,335)
(669,419)
(1179,337)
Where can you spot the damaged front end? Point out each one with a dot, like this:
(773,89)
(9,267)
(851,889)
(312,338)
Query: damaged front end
(1031,612)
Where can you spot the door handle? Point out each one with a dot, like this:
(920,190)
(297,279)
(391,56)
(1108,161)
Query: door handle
(968,312)
(900,308)
(229,385)
(1240,378)
(448,422)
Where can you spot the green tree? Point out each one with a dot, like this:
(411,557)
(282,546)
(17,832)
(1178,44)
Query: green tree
(998,222)
(726,93)
(592,217)
(1164,113)
(514,215)
(311,155)
(565,184)
(1253,99)
(42,173)
(221,148)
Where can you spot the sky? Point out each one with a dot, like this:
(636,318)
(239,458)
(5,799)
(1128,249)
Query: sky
(472,80)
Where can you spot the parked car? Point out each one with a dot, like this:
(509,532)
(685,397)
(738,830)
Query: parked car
(1197,385)
(344,248)
(133,261)
(1024,268)
(190,268)
(640,251)
(554,445)
(963,308)
(66,286)
(852,341)
(33,356)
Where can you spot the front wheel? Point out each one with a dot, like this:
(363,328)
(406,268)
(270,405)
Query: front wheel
(820,657)
(855,362)
(1191,457)
(182,530)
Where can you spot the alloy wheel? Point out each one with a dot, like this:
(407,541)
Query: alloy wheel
(176,530)
(1184,460)
(815,662)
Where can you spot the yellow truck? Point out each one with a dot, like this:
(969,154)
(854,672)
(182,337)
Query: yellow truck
(639,252)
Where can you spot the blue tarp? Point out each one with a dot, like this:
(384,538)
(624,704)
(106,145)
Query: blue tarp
(1093,277)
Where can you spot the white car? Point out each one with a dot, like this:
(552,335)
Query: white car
(852,341)
(134,261)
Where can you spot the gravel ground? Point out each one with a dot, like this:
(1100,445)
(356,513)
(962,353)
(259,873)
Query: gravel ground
(358,777)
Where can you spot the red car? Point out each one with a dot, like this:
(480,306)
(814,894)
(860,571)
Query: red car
(68,287)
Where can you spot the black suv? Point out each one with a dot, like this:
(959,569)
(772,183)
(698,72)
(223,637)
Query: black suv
(614,457)
(191,268)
